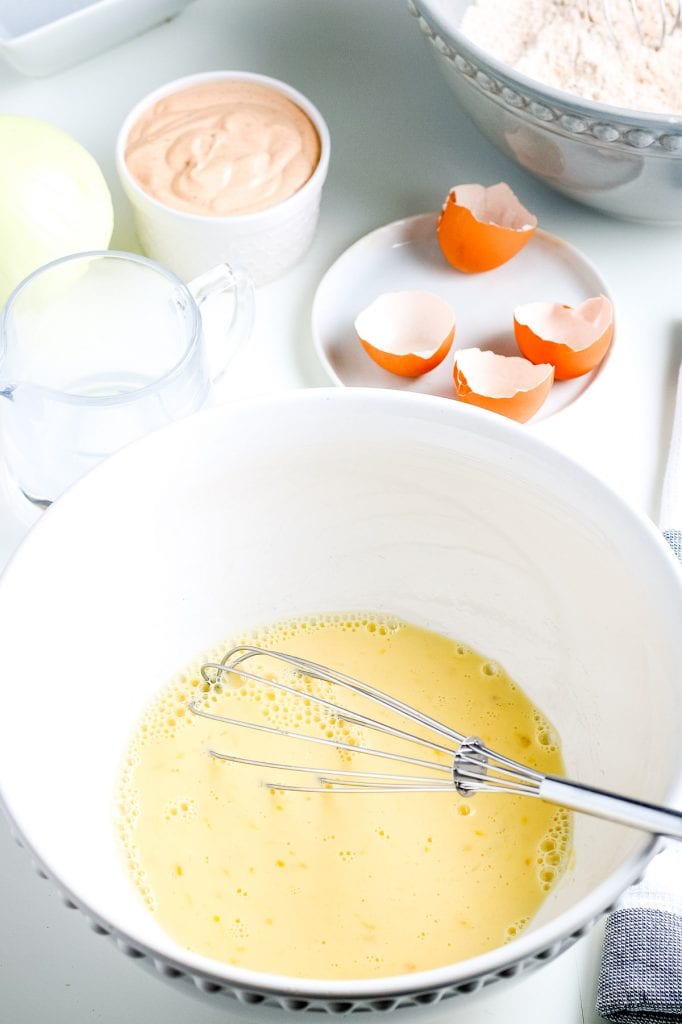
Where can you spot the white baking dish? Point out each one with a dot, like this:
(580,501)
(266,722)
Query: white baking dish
(39,37)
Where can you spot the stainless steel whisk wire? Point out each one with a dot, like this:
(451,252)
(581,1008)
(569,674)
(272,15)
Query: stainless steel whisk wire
(473,767)
(666,15)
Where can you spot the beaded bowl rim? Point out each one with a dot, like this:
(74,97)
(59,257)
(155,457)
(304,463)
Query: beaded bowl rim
(534,90)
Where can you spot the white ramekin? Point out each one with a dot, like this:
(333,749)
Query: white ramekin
(267,242)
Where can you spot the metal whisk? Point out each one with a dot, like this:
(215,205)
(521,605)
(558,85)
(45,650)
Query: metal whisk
(471,768)
(654,20)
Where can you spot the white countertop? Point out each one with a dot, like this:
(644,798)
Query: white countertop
(398,144)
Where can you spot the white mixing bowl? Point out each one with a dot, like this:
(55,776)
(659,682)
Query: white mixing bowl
(320,501)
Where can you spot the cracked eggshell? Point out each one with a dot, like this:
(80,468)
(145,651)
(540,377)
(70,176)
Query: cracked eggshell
(573,339)
(510,385)
(481,228)
(407,333)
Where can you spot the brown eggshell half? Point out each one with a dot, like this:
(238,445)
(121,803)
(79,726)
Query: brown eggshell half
(509,385)
(481,228)
(573,339)
(407,333)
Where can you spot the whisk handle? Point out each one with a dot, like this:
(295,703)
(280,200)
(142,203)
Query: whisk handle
(602,804)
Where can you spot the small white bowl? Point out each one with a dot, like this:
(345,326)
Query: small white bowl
(40,37)
(267,243)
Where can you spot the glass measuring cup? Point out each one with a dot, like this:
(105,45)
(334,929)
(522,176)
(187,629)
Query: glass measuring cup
(99,348)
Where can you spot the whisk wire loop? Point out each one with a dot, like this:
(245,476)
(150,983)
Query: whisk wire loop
(341,713)
(654,20)
(473,767)
(237,655)
(324,740)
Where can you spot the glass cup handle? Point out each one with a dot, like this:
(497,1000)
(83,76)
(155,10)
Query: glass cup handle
(223,339)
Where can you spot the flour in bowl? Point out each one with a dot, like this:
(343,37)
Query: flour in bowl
(567,44)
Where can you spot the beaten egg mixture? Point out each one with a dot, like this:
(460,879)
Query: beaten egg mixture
(344,885)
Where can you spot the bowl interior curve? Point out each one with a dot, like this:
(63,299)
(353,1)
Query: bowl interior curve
(330,501)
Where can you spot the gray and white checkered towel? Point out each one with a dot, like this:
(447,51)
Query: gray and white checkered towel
(640,980)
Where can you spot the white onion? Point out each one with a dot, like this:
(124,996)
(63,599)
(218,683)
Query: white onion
(53,199)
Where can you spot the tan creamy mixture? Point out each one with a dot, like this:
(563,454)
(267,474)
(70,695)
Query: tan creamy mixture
(223,148)
(343,885)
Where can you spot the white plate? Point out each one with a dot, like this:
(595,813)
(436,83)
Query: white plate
(405,255)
